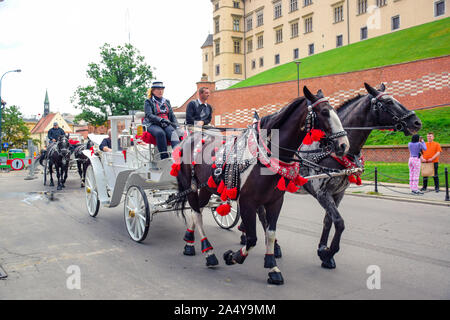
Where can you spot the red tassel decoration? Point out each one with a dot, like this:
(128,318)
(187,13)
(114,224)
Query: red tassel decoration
(203,141)
(351,179)
(224,195)
(221,187)
(213,159)
(232,193)
(194,163)
(317,135)
(214,166)
(300,181)
(281,184)
(211,183)
(308,140)
(358,181)
(224,209)
(292,188)
(175,169)
(216,149)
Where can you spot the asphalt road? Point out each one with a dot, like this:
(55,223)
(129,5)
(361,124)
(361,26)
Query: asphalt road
(41,241)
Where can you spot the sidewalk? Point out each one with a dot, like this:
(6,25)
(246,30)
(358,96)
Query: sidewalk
(398,192)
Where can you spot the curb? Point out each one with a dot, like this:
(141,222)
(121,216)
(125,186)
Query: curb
(432,202)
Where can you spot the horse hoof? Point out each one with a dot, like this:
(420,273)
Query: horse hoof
(63,186)
(59,188)
(330,264)
(324,253)
(228,257)
(82,185)
(277,251)
(275,278)
(51,184)
(243,239)
(211,261)
(189,250)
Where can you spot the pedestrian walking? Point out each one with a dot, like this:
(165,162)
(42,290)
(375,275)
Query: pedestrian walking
(416,146)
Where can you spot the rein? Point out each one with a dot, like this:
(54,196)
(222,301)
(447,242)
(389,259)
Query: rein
(399,124)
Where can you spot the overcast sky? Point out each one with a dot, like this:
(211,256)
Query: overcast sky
(53,41)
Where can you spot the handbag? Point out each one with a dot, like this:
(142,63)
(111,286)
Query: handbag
(427,169)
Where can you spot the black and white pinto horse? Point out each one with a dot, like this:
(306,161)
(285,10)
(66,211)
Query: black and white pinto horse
(58,155)
(82,161)
(359,116)
(252,187)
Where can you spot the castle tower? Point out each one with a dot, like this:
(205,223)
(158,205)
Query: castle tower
(228,42)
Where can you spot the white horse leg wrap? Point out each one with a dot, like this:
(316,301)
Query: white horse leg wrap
(270,241)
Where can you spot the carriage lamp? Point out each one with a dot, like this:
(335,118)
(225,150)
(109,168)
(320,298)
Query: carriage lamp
(88,190)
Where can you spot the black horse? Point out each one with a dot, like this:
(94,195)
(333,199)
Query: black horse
(58,155)
(82,161)
(359,116)
(257,185)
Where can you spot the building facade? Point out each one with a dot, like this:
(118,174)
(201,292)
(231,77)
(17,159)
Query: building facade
(251,36)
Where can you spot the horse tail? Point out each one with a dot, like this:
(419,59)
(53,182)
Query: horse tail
(182,197)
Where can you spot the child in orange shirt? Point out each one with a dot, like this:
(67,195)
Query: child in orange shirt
(431,155)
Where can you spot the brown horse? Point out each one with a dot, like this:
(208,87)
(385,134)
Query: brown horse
(247,168)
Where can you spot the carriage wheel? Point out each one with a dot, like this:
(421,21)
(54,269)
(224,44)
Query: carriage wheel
(90,187)
(136,213)
(230,220)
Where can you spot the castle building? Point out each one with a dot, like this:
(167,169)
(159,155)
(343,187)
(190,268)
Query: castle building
(251,36)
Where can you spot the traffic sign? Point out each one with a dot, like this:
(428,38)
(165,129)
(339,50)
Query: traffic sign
(5,145)
(17,164)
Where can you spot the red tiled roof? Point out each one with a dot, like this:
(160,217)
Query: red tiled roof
(43,123)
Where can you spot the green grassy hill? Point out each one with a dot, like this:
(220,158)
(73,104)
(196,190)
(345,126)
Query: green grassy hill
(436,120)
(425,41)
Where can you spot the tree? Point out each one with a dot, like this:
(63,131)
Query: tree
(14,128)
(120,83)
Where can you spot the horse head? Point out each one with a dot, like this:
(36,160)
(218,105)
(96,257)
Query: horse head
(89,144)
(390,112)
(63,146)
(326,119)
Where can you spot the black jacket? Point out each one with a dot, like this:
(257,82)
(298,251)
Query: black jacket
(55,133)
(151,113)
(105,143)
(198,112)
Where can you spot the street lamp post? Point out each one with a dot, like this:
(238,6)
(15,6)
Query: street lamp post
(1,104)
(297,62)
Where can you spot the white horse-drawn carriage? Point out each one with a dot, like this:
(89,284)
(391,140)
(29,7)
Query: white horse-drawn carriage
(134,172)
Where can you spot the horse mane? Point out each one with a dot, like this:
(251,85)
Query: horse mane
(274,121)
(343,106)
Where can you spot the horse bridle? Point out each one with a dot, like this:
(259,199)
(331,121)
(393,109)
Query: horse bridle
(310,122)
(399,122)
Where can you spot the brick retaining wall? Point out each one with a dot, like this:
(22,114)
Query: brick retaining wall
(415,84)
(397,153)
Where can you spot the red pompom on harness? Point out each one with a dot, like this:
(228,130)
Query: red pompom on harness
(348,164)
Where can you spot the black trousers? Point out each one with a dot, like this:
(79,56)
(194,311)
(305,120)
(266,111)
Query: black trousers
(162,135)
(435,177)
